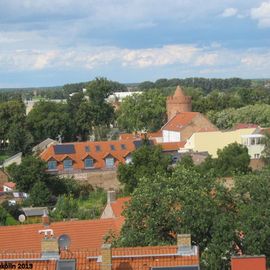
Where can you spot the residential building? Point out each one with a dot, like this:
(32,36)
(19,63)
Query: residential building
(211,141)
(9,187)
(254,144)
(87,156)
(184,124)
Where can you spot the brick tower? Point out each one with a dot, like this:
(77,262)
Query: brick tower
(178,103)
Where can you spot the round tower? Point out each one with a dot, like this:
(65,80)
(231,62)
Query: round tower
(178,103)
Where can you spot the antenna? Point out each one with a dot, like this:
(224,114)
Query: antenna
(21,218)
(64,242)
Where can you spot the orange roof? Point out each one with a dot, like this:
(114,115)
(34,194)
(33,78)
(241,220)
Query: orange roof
(119,205)
(84,234)
(180,121)
(9,184)
(171,146)
(96,150)
(140,135)
(244,125)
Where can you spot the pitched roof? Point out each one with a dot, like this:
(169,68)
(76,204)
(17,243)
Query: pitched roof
(84,234)
(97,150)
(172,146)
(119,205)
(10,185)
(180,121)
(244,125)
(34,211)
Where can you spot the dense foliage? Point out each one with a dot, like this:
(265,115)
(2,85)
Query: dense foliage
(146,161)
(143,112)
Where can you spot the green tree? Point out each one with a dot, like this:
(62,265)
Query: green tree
(146,112)
(3,216)
(232,159)
(66,207)
(48,120)
(40,194)
(30,171)
(252,197)
(266,150)
(146,161)
(186,202)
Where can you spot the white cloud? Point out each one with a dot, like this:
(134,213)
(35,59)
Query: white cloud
(229,12)
(262,14)
(208,59)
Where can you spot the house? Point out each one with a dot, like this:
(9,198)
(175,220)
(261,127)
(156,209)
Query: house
(87,156)
(211,141)
(43,145)
(34,214)
(9,186)
(52,254)
(184,124)
(114,207)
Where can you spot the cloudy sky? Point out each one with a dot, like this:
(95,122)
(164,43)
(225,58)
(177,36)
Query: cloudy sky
(53,42)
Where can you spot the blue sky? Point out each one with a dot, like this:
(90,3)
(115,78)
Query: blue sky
(53,42)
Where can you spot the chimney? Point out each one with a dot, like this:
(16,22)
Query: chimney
(111,196)
(106,255)
(184,241)
(45,219)
(49,245)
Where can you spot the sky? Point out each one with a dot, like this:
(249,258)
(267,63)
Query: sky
(54,42)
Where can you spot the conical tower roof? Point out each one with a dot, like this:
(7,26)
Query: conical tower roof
(179,92)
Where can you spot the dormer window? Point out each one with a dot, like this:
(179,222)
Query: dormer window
(52,165)
(109,161)
(88,163)
(68,164)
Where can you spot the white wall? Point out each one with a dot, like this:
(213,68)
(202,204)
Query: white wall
(171,136)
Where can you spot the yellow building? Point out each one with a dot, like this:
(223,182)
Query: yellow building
(214,140)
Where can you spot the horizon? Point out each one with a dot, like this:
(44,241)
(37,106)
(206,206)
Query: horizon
(48,43)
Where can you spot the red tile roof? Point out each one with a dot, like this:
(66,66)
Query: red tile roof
(119,205)
(179,121)
(172,146)
(117,149)
(244,125)
(10,184)
(84,234)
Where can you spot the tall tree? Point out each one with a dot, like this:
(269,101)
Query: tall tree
(143,112)
(146,161)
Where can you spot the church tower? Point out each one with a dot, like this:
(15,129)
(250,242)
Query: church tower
(178,103)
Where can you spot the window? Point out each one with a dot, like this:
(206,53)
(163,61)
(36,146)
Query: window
(123,147)
(52,165)
(109,162)
(112,147)
(67,164)
(87,149)
(88,163)
(257,156)
(98,149)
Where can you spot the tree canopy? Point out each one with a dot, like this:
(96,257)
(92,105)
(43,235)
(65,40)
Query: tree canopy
(145,111)
(146,161)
